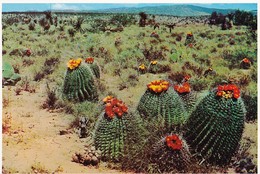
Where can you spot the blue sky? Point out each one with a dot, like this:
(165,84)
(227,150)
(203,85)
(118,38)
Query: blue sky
(94,6)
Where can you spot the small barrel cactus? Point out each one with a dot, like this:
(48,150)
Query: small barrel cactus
(245,63)
(142,69)
(215,127)
(161,100)
(188,96)
(9,76)
(79,82)
(189,38)
(112,129)
(93,66)
(171,153)
(153,67)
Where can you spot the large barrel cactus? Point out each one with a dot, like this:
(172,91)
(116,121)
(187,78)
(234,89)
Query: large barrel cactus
(9,76)
(171,153)
(161,100)
(113,127)
(93,66)
(79,82)
(215,127)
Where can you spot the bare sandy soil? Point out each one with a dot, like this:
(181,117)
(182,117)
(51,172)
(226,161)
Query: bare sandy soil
(33,138)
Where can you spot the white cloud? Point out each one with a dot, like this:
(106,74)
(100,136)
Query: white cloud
(64,7)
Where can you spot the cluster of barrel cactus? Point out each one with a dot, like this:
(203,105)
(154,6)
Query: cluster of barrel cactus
(213,125)
(79,82)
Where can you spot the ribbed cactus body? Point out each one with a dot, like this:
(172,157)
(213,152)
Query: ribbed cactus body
(168,159)
(110,134)
(167,104)
(189,39)
(79,84)
(95,69)
(215,128)
(189,100)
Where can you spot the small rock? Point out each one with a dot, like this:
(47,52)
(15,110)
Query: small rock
(75,158)
(93,148)
(64,132)
(94,160)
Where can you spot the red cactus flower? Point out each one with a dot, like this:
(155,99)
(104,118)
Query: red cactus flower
(114,107)
(246,60)
(89,60)
(228,91)
(173,142)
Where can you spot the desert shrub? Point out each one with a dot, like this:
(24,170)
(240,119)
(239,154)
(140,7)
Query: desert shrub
(251,106)
(31,26)
(199,84)
(87,109)
(235,58)
(123,19)
(37,167)
(71,32)
(51,98)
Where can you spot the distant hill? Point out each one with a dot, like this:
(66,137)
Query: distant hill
(174,10)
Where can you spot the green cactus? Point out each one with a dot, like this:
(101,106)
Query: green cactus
(169,159)
(111,134)
(9,76)
(79,84)
(95,69)
(189,40)
(167,104)
(191,100)
(215,128)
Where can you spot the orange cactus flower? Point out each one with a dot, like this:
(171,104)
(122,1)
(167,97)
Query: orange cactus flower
(154,62)
(114,107)
(107,99)
(189,33)
(158,86)
(187,77)
(246,60)
(173,142)
(142,67)
(73,64)
(228,91)
(183,88)
(89,60)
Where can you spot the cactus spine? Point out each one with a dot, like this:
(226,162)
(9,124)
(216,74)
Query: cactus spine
(215,128)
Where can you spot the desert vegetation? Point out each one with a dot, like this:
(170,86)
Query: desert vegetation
(130,92)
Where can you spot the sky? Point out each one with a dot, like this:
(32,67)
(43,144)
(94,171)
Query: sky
(7,7)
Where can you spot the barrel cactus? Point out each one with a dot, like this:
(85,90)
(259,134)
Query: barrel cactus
(9,76)
(79,82)
(93,66)
(171,153)
(161,100)
(112,129)
(188,96)
(189,38)
(215,127)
